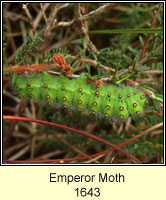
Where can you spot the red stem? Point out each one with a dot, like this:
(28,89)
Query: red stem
(73,130)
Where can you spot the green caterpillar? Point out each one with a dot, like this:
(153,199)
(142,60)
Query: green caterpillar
(115,103)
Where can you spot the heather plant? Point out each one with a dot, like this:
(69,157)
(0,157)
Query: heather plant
(116,45)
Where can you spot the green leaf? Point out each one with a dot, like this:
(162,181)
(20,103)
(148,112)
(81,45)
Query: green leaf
(127,59)
(156,105)
(158,99)
(138,55)
(78,41)
(75,64)
(150,88)
(128,31)
(4,27)
(87,67)
(82,52)
(151,150)
(39,33)
(35,49)
(29,39)
(39,39)
(146,83)
(85,42)
(143,68)
(151,119)
(134,51)
(159,95)
(141,41)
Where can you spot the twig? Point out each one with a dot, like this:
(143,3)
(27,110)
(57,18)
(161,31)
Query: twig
(32,147)
(94,160)
(40,14)
(12,125)
(153,72)
(148,37)
(64,24)
(23,31)
(93,62)
(20,153)
(94,155)
(146,91)
(73,130)
(90,15)
(15,16)
(56,153)
(10,39)
(5,92)
(43,12)
(78,20)
(70,146)
(24,6)
(52,18)
(99,11)
(13,148)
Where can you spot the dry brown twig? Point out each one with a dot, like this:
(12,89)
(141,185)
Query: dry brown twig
(24,6)
(92,62)
(148,37)
(78,20)
(53,24)
(99,11)
(51,21)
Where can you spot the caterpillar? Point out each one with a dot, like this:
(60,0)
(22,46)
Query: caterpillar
(109,101)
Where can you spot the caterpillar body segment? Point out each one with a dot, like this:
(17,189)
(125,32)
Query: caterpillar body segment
(109,101)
